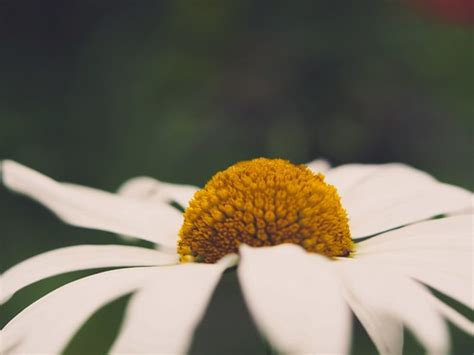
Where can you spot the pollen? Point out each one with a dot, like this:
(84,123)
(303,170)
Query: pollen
(264,202)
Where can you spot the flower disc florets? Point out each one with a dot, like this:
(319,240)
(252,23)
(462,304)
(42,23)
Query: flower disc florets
(264,202)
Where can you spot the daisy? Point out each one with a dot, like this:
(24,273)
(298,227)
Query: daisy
(311,250)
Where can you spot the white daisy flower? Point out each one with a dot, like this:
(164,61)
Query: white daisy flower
(301,264)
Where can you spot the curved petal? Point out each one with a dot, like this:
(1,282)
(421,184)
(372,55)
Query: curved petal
(437,252)
(319,166)
(147,188)
(345,177)
(295,299)
(385,293)
(77,258)
(386,332)
(381,197)
(161,316)
(47,325)
(455,317)
(90,208)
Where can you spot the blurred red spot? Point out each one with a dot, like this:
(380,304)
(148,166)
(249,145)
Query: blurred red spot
(454,11)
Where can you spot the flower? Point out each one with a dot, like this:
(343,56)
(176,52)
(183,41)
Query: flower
(301,300)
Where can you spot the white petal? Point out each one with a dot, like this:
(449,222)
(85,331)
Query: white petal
(389,294)
(295,299)
(48,325)
(345,177)
(147,188)
(7,344)
(385,331)
(466,210)
(437,252)
(86,207)
(455,317)
(162,316)
(77,258)
(379,198)
(319,166)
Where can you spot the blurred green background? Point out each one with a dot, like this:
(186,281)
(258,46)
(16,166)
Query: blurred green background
(95,92)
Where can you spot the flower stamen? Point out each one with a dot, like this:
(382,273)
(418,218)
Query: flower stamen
(264,202)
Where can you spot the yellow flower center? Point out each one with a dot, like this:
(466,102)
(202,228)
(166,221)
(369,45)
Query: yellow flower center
(264,202)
